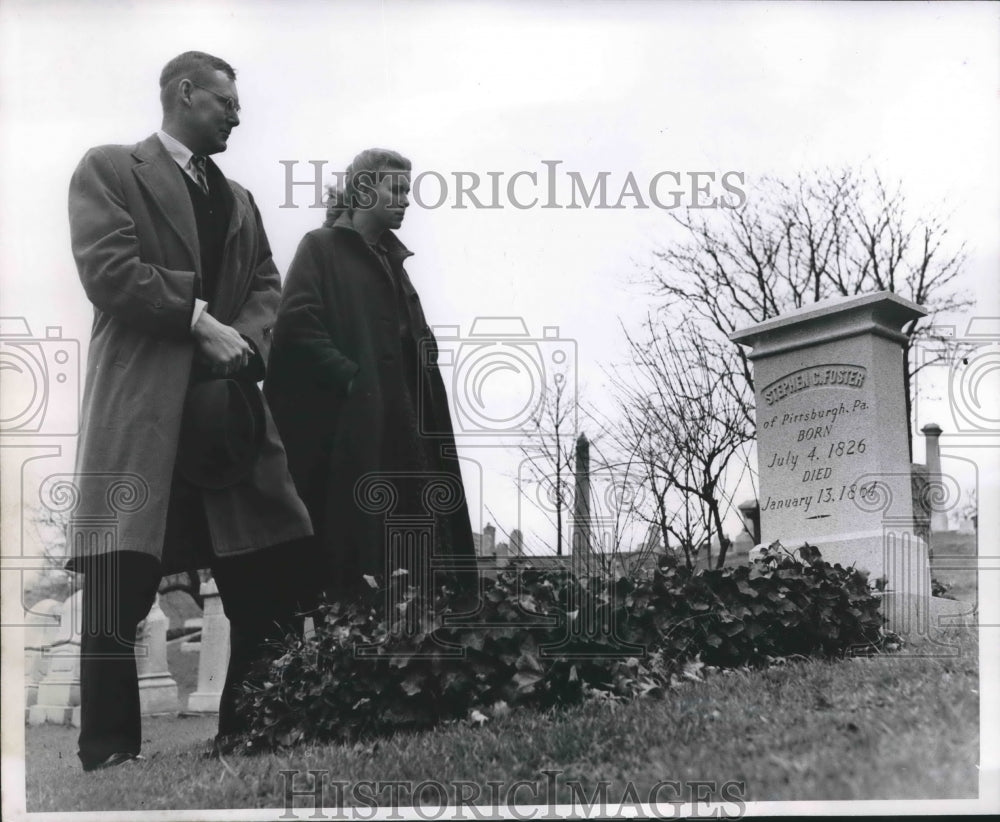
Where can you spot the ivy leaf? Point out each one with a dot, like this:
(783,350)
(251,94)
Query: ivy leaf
(810,554)
(731,629)
(413,684)
(471,639)
(528,662)
(526,680)
(529,604)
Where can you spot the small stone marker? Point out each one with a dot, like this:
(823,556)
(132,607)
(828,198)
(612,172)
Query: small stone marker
(43,623)
(213,659)
(747,537)
(157,688)
(58,697)
(932,432)
(832,440)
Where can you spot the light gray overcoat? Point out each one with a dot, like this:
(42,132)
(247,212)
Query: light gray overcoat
(135,242)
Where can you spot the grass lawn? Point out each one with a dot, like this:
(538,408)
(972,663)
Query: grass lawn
(953,562)
(895,727)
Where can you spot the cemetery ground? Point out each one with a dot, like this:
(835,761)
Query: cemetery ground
(898,726)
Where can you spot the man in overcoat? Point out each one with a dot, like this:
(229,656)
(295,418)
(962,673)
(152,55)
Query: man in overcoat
(175,260)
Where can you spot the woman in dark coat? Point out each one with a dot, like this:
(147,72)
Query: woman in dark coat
(356,393)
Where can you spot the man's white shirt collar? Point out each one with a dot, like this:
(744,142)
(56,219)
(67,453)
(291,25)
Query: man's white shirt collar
(175,148)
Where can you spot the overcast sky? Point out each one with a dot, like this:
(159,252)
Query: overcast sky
(499,88)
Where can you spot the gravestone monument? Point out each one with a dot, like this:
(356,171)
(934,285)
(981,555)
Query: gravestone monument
(832,443)
(44,624)
(932,432)
(213,660)
(582,547)
(157,688)
(58,694)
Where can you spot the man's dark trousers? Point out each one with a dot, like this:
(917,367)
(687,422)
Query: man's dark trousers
(264,595)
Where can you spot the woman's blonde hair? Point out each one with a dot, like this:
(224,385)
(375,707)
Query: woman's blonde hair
(360,178)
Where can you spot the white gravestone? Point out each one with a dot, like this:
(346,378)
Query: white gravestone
(157,688)
(44,623)
(832,442)
(58,698)
(938,513)
(213,659)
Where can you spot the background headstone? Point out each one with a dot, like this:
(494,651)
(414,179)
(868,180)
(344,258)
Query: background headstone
(43,623)
(157,688)
(58,698)
(932,459)
(213,658)
(749,534)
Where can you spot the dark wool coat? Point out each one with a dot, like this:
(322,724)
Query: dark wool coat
(362,408)
(136,247)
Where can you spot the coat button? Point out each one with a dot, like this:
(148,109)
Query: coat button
(158,304)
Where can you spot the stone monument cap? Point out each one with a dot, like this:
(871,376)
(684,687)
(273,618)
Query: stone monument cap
(882,313)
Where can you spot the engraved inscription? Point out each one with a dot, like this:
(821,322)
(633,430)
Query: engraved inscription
(816,453)
(819,376)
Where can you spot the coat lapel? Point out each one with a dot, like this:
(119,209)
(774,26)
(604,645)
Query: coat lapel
(236,206)
(234,279)
(159,175)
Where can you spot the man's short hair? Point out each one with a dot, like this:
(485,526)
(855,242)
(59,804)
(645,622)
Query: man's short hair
(191,65)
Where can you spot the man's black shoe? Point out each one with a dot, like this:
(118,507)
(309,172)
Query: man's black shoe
(114,760)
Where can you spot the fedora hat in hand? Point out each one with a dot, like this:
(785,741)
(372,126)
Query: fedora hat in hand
(222,431)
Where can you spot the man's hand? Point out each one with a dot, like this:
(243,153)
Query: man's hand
(221,346)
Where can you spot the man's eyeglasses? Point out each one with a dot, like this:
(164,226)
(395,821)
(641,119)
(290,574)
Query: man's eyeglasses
(232,107)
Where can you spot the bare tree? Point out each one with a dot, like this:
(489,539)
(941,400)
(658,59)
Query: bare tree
(52,580)
(549,454)
(683,411)
(55,581)
(825,234)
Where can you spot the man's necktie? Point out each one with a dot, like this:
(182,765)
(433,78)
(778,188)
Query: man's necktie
(200,175)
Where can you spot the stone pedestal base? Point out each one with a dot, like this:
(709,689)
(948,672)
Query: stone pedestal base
(213,659)
(900,557)
(923,617)
(157,688)
(158,694)
(204,703)
(56,714)
(58,695)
